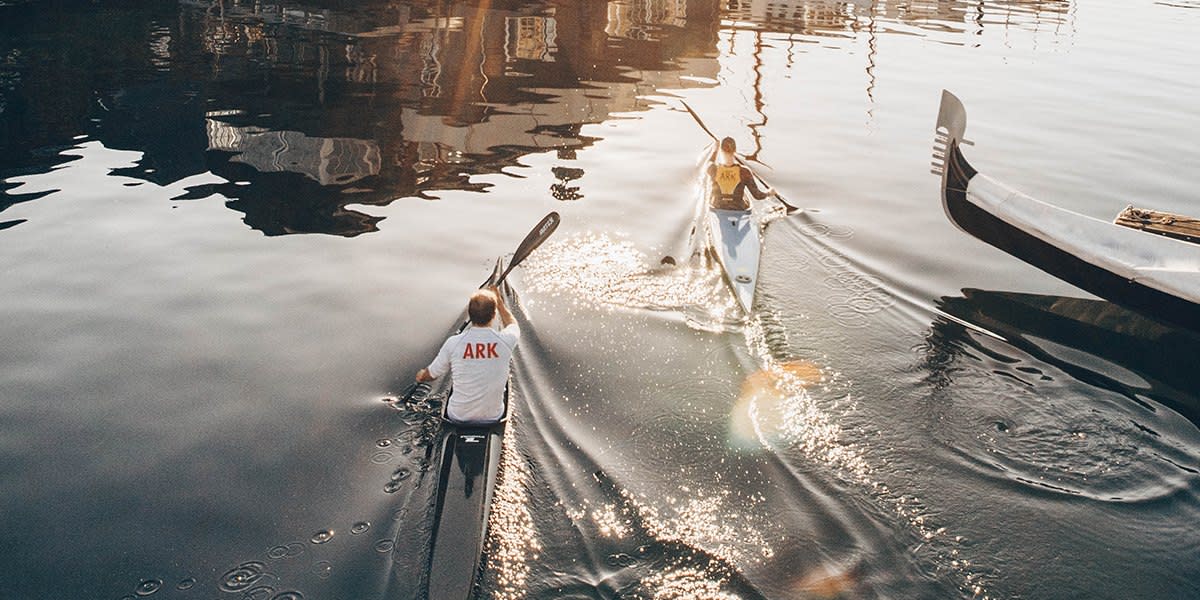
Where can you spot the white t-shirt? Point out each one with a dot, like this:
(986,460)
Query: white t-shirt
(478,360)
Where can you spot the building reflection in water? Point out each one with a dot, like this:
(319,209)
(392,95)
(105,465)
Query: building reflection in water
(373,101)
(328,161)
(392,101)
(939,20)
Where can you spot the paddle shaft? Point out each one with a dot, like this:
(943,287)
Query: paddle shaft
(700,122)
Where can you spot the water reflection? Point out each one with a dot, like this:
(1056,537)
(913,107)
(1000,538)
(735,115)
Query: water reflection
(328,161)
(313,107)
(1095,341)
(310,108)
(844,18)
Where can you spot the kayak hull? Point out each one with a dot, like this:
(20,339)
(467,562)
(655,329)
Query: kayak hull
(470,464)
(736,244)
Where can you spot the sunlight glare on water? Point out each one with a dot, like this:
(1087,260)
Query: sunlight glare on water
(777,409)
(596,270)
(230,228)
(512,542)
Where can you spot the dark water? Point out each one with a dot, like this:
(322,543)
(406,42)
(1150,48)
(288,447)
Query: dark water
(232,231)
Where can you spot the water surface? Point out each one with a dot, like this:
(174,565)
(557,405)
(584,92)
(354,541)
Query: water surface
(233,231)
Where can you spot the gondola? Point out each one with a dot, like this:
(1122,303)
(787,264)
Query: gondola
(1153,274)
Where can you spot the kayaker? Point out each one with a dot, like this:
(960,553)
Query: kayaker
(477,360)
(730,180)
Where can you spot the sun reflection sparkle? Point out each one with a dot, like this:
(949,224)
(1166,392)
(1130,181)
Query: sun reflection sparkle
(598,271)
(512,539)
(775,409)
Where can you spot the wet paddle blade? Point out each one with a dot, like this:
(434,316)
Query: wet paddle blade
(540,232)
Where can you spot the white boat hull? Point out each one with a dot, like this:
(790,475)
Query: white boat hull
(735,239)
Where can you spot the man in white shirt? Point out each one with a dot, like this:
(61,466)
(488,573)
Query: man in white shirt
(477,360)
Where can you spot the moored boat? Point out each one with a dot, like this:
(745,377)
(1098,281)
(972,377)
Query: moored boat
(1154,274)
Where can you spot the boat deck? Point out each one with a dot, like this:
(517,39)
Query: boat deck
(1168,224)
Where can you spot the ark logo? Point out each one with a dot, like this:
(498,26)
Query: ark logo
(481,351)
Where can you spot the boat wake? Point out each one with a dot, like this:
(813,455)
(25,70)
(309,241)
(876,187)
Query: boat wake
(593,536)
(599,271)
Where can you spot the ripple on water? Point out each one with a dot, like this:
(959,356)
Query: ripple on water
(621,560)
(824,230)
(384,546)
(262,592)
(359,527)
(322,536)
(148,587)
(289,550)
(323,569)
(186,583)
(678,434)
(242,576)
(1050,434)
(382,457)
(853,296)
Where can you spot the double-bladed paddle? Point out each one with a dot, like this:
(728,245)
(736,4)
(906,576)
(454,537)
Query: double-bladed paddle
(700,122)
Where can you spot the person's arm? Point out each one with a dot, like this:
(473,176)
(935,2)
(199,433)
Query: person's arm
(439,366)
(752,185)
(506,317)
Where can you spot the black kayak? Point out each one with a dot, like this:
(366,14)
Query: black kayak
(466,482)
(470,464)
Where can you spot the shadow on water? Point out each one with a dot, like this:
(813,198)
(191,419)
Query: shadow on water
(1095,341)
(1067,397)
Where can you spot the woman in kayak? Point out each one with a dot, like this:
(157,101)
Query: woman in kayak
(730,180)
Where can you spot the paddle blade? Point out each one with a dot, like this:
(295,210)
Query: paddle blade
(536,236)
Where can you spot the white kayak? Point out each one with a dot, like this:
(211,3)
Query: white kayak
(737,245)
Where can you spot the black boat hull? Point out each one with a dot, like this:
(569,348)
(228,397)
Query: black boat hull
(470,465)
(1057,260)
